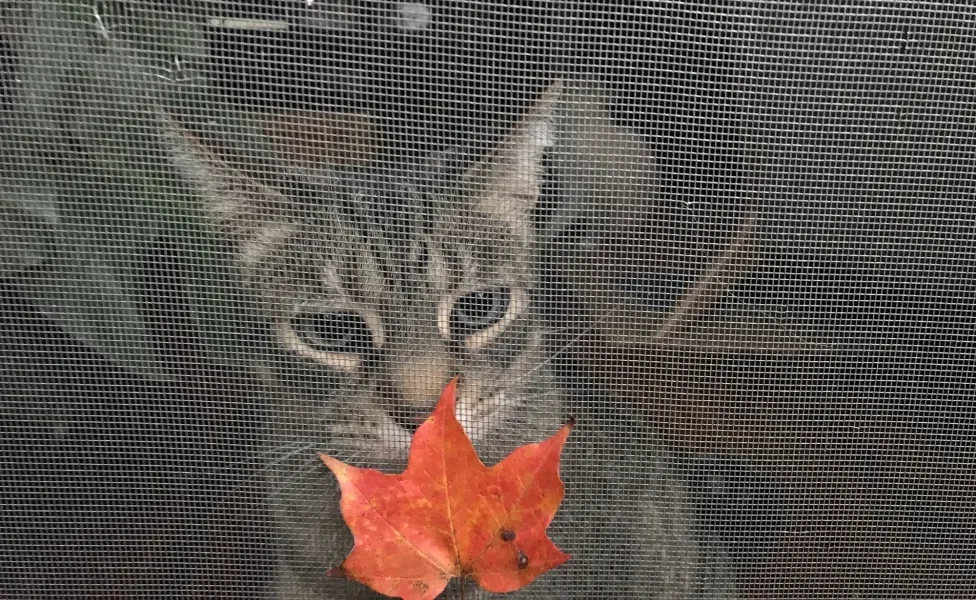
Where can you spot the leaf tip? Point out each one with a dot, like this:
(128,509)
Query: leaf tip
(336,572)
(451,388)
(330,462)
(448,397)
(570,421)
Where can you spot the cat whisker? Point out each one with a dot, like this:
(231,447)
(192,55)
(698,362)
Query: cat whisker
(284,458)
(277,450)
(297,477)
(253,482)
(560,351)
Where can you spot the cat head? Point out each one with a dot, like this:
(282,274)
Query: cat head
(380,279)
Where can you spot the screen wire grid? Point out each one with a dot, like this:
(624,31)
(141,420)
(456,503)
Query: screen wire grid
(734,240)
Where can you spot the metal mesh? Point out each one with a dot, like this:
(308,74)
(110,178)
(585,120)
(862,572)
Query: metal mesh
(734,240)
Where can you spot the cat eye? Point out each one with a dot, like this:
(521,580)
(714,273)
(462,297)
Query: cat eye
(477,318)
(333,332)
(479,310)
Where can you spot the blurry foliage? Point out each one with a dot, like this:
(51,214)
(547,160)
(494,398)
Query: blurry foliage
(88,192)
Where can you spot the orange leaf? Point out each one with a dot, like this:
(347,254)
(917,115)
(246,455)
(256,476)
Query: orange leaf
(448,515)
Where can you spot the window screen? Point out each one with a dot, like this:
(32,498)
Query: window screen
(734,241)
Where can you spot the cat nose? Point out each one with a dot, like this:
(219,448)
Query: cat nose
(415,385)
(420,378)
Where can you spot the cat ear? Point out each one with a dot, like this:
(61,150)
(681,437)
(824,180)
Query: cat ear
(514,174)
(237,204)
(247,212)
(520,160)
(228,194)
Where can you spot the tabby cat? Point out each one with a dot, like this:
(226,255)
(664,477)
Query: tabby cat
(379,280)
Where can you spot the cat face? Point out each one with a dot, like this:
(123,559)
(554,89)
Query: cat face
(379,283)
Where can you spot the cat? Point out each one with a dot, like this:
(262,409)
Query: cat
(380,279)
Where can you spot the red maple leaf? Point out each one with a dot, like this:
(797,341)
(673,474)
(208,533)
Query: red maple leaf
(448,515)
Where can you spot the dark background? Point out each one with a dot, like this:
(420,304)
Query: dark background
(841,470)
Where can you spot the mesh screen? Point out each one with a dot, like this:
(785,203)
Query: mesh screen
(734,240)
